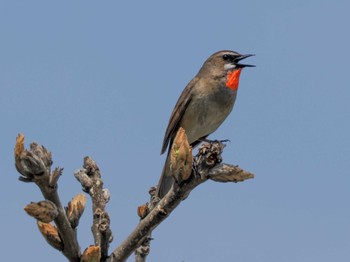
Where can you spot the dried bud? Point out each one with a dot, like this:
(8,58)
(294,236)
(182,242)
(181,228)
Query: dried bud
(143,211)
(229,173)
(152,191)
(103,219)
(42,153)
(91,254)
(44,211)
(35,162)
(181,157)
(209,155)
(55,175)
(104,222)
(84,179)
(106,194)
(90,165)
(211,152)
(19,147)
(75,209)
(51,235)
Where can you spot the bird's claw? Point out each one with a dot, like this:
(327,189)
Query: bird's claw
(215,140)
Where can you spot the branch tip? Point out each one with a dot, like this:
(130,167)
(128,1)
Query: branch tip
(31,163)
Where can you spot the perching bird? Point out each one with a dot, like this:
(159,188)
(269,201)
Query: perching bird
(203,105)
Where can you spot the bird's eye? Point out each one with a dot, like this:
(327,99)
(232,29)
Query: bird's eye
(226,57)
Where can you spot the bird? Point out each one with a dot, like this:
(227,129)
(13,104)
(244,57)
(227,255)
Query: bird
(203,105)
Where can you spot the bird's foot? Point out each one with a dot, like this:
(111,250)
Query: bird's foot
(214,141)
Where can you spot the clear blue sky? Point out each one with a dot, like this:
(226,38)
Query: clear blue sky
(101,79)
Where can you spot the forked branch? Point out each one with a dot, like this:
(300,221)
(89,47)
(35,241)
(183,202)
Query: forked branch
(206,165)
(34,165)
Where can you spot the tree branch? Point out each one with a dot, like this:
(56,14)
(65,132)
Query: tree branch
(90,178)
(143,250)
(205,166)
(35,166)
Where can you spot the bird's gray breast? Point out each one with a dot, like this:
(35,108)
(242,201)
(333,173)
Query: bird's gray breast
(207,110)
(216,107)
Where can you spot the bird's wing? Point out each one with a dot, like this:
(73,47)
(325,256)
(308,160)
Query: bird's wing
(177,114)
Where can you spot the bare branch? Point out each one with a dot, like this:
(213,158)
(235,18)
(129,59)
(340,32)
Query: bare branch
(144,249)
(35,166)
(208,157)
(90,178)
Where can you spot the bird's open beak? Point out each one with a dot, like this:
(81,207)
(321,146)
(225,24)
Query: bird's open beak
(238,65)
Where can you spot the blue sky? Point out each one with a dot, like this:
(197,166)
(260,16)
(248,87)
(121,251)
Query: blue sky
(101,79)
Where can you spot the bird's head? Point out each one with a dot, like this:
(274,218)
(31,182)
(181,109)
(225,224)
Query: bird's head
(225,64)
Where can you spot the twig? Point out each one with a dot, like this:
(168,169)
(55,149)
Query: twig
(90,178)
(35,166)
(144,249)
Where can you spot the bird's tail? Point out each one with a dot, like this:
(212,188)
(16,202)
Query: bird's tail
(166,179)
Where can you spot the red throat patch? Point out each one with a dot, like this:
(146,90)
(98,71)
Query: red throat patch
(232,81)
